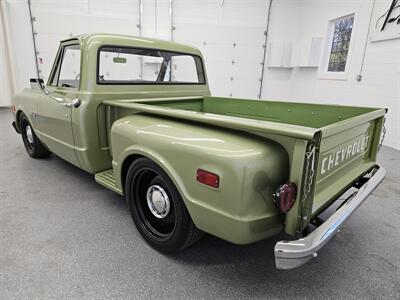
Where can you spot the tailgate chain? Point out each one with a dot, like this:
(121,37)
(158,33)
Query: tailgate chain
(309,172)
(383,134)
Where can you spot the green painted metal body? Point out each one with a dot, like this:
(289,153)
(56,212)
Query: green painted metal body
(254,146)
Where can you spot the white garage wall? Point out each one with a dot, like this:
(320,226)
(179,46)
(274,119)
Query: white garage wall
(19,60)
(57,20)
(230,33)
(380,84)
(231,37)
(5,81)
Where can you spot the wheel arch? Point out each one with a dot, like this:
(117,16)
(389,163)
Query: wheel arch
(18,115)
(132,154)
(126,163)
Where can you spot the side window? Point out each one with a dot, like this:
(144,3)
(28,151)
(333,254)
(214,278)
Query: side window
(67,73)
(54,79)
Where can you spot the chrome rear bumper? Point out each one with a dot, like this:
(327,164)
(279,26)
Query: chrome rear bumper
(292,254)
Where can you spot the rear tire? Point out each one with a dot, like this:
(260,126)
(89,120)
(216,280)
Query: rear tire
(32,143)
(157,209)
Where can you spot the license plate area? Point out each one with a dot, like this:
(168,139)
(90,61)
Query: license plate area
(337,202)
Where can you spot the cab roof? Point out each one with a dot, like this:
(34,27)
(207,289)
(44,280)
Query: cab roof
(132,41)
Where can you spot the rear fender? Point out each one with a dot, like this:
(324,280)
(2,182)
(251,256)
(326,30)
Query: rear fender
(250,168)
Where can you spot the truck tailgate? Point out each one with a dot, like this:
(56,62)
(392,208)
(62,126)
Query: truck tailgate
(345,153)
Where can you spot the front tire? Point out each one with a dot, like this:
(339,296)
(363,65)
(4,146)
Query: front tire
(157,209)
(32,144)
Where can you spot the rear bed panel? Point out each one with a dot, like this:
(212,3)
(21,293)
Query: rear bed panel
(343,157)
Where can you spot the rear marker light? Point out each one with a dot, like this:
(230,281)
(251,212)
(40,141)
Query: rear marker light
(208,178)
(285,196)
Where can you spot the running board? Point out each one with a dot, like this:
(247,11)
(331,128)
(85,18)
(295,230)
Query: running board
(107,179)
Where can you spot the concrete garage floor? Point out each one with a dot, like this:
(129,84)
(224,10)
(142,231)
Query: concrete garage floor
(64,236)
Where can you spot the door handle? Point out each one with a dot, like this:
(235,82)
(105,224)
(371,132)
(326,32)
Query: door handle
(75,103)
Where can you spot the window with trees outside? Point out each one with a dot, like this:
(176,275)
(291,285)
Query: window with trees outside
(340,44)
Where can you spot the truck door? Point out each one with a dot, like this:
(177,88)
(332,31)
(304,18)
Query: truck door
(55,107)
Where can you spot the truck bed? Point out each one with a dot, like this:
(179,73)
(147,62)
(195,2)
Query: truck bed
(329,146)
(301,114)
(312,116)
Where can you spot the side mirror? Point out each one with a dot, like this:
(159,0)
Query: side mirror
(37,83)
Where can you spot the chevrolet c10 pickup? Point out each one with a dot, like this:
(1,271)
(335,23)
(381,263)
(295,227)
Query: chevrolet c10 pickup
(138,114)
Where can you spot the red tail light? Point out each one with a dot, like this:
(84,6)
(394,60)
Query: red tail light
(13,108)
(285,196)
(208,178)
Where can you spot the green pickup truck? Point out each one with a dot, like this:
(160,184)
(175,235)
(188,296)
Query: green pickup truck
(137,113)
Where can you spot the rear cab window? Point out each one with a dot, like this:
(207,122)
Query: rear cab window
(125,65)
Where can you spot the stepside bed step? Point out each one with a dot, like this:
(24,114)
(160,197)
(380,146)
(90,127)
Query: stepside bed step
(107,179)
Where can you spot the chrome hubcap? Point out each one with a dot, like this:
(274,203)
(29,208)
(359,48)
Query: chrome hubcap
(158,201)
(29,134)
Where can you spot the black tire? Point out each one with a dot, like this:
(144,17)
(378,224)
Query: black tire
(170,233)
(32,144)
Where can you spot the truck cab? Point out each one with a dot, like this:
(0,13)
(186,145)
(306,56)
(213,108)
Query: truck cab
(86,70)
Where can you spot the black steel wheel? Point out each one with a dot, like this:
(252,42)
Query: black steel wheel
(157,208)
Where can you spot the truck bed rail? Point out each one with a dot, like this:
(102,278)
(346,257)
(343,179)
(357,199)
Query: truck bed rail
(238,123)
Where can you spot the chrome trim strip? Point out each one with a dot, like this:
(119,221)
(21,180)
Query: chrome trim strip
(293,254)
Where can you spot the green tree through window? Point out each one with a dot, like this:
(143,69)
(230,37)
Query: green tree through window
(340,44)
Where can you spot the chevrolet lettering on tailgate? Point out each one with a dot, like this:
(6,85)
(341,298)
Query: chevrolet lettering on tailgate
(345,153)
